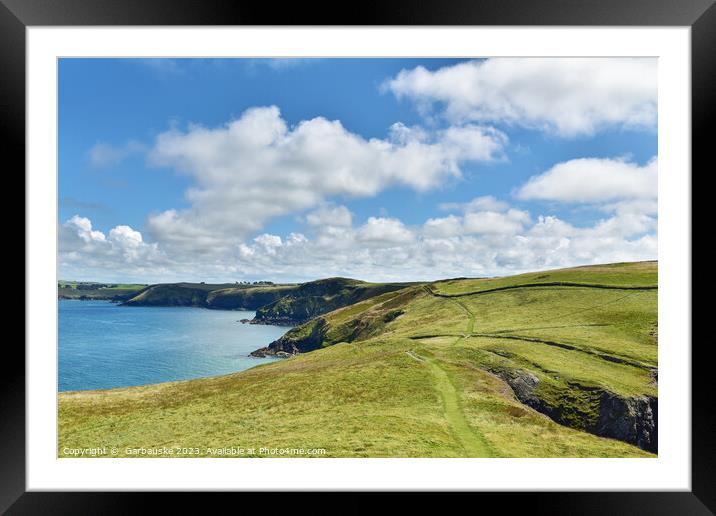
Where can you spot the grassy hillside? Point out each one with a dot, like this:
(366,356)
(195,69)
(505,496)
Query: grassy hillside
(318,297)
(248,298)
(176,294)
(274,304)
(450,369)
(639,275)
(91,290)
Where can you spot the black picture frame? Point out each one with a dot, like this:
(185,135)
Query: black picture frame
(16,15)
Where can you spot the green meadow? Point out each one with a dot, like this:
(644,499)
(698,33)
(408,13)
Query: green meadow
(550,364)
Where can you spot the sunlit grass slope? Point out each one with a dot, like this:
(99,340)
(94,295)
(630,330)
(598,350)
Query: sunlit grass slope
(413,374)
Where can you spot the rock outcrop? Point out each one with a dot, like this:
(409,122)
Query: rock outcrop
(305,338)
(601,412)
(633,420)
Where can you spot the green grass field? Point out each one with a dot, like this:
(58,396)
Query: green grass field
(428,371)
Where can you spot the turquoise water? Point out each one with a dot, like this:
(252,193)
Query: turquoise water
(103,345)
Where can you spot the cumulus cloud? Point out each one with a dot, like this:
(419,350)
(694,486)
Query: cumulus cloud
(625,191)
(443,227)
(330,216)
(475,243)
(257,168)
(84,251)
(77,232)
(268,242)
(381,231)
(565,96)
(482,237)
(484,215)
(591,180)
(553,242)
(446,247)
(487,237)
(492,222)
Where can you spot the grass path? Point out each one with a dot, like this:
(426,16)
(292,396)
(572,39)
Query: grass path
(473,442)
(470,316)
(470,321)
(412,355)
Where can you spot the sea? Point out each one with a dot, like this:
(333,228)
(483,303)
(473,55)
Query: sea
(103,345)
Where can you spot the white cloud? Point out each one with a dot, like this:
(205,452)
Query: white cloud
(484,215)
(77,233)
(472,142)
(382,231)
(85,251)
(257,168)
(330,216)
(480,243)
(625,191)
(126,235)
(443,227)
(268,242)
(592,180)
(296,238)
(445,247)
(492,222)
(565,96)
(552,241)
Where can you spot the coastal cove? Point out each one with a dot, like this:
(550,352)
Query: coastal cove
(103,345)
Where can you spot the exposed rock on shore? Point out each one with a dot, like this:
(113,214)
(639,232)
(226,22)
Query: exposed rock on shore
(308,337)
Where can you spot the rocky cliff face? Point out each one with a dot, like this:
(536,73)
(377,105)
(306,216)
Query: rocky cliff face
(629,419)
(305,338)
(633,420)
(332,328)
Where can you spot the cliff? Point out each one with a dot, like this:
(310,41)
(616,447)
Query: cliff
(274,304)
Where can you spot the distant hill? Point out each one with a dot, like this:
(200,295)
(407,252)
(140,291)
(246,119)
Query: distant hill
(177,294)
(87,290)
(274,304)
(309,300)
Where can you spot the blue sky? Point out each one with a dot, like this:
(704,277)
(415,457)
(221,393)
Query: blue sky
(137,136)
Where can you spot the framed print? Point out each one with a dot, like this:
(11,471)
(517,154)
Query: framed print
(441,249)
